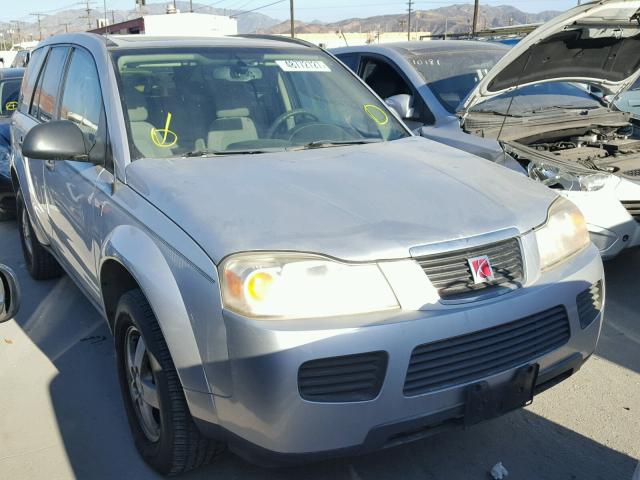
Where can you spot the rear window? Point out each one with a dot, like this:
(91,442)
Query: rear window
(29,80)
(9,90)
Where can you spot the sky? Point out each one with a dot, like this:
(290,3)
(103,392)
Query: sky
(307,10)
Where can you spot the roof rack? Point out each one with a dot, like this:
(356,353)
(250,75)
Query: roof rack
(264,36)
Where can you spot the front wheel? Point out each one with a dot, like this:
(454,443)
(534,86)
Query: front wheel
(161,424)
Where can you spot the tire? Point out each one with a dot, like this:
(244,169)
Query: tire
(172,444)
(40,263)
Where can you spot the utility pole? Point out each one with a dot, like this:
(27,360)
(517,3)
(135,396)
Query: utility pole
(476,9)
(17,22)
(88,10)
(66,27)
(191,6)
(38,15)
(409,20)
(293,26)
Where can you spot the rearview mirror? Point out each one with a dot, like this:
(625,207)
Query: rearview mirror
(9,294)
(402,104)
(56,140)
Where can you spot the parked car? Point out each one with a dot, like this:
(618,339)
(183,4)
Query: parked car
(21,60)
(10,79)
(468,94)
(283,267)
(9,294)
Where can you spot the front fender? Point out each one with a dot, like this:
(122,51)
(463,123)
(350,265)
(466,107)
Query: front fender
(155,272)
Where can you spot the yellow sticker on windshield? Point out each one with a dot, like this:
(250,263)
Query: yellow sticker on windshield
(11,105)
(379,116)
(163,137)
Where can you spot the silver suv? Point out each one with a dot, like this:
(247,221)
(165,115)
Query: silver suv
(285,268)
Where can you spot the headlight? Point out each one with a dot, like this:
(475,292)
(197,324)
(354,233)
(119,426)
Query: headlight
(292,285)
(564,233)
(552,176)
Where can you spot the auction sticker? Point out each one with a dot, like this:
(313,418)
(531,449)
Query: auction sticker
(303,66)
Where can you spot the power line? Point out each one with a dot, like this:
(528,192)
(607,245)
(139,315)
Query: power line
(259,8)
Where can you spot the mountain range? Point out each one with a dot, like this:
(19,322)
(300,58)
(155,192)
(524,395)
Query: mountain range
(455,18)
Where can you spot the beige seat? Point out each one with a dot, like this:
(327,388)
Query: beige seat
(141,130)
(231,126)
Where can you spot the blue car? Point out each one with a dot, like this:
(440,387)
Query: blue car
(10,80)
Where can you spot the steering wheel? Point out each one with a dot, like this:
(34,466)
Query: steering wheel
(298,112)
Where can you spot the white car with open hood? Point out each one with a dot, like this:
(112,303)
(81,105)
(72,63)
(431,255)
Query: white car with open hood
(530,104)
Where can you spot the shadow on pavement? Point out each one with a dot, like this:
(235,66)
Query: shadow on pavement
(620,338)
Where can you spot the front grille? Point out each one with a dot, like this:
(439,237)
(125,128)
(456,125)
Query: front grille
(589,304)
(633,173)
(451,274)
(350,378)
(469,358)
(633,207)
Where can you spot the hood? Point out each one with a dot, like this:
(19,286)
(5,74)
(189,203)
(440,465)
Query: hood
(597,43)
(365,202)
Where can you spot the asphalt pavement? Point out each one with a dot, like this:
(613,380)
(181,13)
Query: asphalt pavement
(61,415)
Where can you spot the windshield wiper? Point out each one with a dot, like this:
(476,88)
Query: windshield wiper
(338,143)
(217,153)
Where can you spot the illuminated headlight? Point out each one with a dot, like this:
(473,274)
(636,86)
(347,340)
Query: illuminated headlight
(292,285)
(563,234)
(552,176)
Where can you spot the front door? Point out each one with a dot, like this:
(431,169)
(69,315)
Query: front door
(71,185)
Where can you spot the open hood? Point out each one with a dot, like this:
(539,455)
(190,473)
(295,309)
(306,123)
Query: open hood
(597,43)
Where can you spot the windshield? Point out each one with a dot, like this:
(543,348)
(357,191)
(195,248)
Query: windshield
(543,97)
(9,90)
(205,101)
(452,74)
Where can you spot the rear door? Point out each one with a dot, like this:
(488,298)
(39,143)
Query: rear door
(23,121)
(71,185)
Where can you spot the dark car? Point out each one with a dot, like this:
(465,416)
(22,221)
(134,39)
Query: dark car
(10,80)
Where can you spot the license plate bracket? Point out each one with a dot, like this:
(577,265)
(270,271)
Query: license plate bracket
(484,402)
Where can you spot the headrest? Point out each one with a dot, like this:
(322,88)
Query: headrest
(136,106)
(237,74)
(233,113)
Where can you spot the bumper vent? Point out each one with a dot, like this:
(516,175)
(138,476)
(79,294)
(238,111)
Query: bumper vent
(450,272)
(633,173)
(589,304)
(351,378)
(469,358)
(633,207)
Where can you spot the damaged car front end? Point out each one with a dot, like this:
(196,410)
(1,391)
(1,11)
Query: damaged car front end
(537,103)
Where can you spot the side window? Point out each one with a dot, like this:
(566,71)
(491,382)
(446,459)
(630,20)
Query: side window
(82,102)
(350,60)
(46,95)
(385,80)
(30,78)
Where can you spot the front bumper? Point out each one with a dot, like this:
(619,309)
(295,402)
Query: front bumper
(267,413)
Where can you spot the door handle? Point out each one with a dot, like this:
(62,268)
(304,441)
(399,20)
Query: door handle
(50,164)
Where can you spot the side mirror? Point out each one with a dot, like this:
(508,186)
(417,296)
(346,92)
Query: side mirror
(56,140)
(402,104)
(9,294)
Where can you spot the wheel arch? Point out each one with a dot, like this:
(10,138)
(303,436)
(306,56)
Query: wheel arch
(130,259)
